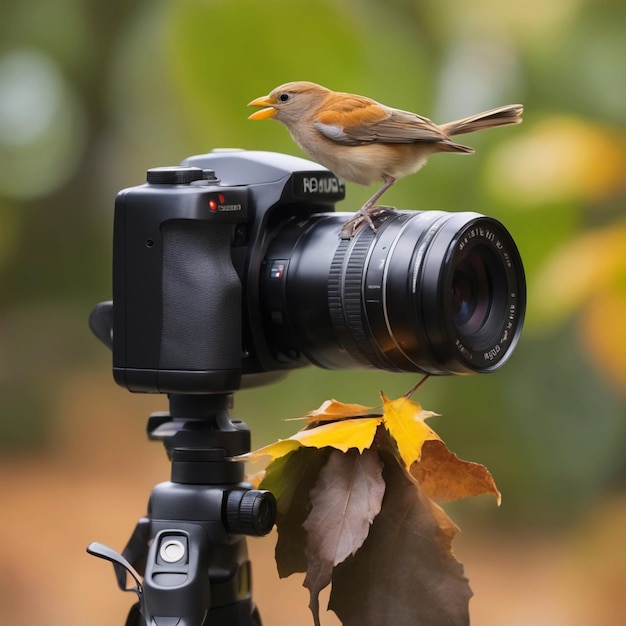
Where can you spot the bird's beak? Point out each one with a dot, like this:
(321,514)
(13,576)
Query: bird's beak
(263,114)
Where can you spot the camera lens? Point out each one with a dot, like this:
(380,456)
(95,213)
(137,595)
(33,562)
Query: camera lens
(429,291)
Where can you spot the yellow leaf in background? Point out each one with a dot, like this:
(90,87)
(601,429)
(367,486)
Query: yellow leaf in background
(404,420)
(592,263)
(603,330)
(546,165)
(588,275)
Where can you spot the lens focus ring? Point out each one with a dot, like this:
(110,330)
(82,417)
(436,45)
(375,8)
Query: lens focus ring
(345,297)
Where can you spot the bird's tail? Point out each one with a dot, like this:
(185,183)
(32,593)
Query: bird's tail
(502,116)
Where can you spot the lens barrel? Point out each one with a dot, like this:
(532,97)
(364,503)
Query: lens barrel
(429,291)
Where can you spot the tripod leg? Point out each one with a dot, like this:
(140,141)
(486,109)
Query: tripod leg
(135,618)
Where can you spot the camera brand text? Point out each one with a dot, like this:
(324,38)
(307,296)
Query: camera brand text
(313,184)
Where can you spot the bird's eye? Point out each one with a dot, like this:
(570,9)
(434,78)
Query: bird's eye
(283,97)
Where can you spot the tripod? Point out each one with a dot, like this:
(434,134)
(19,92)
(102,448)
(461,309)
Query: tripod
(191,548)
(188,267)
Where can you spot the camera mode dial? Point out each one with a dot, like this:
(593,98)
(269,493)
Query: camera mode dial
(177,175)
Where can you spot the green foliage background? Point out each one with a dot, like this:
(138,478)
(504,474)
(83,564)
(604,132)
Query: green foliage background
(93,93)
(133,85)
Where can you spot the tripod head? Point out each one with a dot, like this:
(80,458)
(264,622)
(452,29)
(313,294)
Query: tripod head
(201,441)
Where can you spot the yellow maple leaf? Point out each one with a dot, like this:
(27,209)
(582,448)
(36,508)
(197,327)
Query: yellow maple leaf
(342,426)
(353,433)
(404,420)
(350,433)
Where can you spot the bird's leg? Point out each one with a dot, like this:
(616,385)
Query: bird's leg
(368,210)
(388,180)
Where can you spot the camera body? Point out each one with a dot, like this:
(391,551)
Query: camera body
(184,243)
(229,270)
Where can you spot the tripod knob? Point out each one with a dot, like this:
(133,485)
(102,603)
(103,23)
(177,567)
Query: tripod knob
(250,512)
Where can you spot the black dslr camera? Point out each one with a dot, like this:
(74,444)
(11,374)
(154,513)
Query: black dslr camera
(229,269)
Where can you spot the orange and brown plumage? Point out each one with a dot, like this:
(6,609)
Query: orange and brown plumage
(363,141)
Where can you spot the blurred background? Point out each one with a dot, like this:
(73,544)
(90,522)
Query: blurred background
(93,93)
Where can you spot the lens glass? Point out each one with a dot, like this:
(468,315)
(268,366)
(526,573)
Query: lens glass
(472,293)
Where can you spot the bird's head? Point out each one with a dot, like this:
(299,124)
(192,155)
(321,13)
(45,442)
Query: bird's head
(289,102)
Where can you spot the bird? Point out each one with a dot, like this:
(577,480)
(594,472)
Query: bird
(363,141)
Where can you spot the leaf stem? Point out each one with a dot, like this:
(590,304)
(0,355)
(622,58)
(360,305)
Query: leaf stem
(415,387)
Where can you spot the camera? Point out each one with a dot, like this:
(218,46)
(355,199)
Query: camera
(230,269)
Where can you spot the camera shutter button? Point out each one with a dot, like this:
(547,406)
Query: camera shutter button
(176,175)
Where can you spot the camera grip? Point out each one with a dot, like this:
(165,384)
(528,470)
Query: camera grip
(201,301)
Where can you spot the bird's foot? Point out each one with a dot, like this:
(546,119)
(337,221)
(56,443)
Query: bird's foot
(363,216)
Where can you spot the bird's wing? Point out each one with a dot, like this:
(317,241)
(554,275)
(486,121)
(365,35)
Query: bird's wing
(355,120)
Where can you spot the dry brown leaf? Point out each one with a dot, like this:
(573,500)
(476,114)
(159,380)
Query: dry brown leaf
(444,477)
(290,479)
(405,573)
(345,500)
